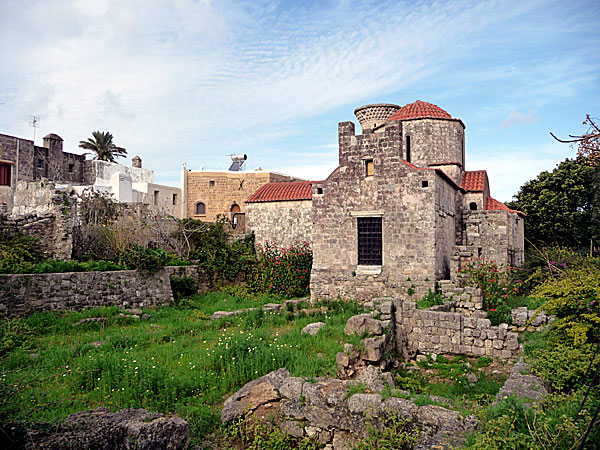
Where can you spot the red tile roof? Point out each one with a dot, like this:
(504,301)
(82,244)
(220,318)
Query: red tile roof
(280,191)
(420,110)
(493,204)
(474,180)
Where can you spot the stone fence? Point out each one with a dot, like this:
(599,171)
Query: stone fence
(438,331)
(22,294)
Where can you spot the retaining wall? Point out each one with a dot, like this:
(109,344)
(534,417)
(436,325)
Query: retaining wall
(22,294)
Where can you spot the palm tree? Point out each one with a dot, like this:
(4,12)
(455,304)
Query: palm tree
(102,145)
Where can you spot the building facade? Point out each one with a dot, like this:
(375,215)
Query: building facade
(398,214)
(209,194)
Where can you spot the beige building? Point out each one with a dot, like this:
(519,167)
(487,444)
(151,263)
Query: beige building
(208,194)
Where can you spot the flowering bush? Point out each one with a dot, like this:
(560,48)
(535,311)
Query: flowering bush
(497,282)
(282,271)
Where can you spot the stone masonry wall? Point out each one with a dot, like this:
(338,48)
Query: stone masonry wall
(430,331)
(220,190)
(492,235)
(433,141)
(411,203)
(26,293)
(281,222)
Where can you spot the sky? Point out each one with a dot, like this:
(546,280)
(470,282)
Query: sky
(194,81)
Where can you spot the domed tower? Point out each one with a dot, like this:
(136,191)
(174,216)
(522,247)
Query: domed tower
(432,138)
(372,117)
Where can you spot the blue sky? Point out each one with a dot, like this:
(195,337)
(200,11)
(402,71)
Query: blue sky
(186,81)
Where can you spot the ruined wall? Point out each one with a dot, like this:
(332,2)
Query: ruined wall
(220,190)
(494,235)
(430,331)
(54,164)
(34,197)
(406,200)
(26,293)
(283,222)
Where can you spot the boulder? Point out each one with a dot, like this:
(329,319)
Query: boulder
(254,394)
(374,379)
(100,429)
(363,324)
(374,348)
(313,328)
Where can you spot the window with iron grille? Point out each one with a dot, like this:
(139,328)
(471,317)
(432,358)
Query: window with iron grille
(5,174)
(369,241)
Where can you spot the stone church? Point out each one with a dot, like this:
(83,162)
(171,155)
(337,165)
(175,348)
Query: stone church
(400,212)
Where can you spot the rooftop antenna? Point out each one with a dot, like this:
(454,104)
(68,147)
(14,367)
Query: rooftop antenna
(238,162)
(34,122)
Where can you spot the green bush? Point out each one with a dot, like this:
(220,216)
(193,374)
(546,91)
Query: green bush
(497,282)
(143,259)
(183,287)
(573,298)
(393,434)
(282,271)
(16,250)
(429,300)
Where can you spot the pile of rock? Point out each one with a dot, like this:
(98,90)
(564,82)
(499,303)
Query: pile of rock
(326,410)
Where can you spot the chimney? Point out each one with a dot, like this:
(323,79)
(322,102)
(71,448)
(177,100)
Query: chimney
(136,161)
(53,142)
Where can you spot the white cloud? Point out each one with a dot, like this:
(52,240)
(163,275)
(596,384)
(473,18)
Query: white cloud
(515,118)
(192,81)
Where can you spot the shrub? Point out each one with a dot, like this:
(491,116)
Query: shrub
(496,281)
(16,250)
(143,259)
(183,286)
(393,434)
(282,271)
(573,298)
(429,300)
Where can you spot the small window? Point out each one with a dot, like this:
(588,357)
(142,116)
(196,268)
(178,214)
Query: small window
(5,173)
(71,168)
(156,197)
(319,190)
(369,170)
(369,241)
(174,199)
(40,164)
(407,148)
(200,208)
(473,206)
(211,183)
(235,208)
(424,183)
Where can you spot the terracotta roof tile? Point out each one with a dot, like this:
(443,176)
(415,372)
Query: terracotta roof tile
(280,191)
(420,110)
(474,180)
(491,204)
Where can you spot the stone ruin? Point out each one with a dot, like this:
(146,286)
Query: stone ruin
(392,330)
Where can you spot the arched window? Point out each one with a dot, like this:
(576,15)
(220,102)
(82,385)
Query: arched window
(473,206)
(407,148)
(200,208)
(235,208)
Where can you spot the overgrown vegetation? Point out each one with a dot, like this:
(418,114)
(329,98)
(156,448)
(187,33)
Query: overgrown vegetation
(178,361)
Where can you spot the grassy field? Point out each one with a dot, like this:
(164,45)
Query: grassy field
(177,361)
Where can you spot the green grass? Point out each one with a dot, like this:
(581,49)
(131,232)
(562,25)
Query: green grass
(178,361)
(518,301)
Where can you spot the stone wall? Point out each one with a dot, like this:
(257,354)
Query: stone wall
(431,331)
(26,293)
(220,191)
(416,207)
(496,235)
(283,222)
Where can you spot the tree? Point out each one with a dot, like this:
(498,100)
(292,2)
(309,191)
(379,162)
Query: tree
(562,206)
(588,144)
(102,145)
